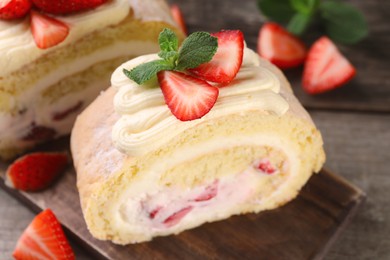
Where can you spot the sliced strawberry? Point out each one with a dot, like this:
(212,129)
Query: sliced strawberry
(177,216)
(58,116)
(210,192)
(47,31)
(154,212)
(266,167)
(35,171)
(325,68)
(280,47)
(187,97)
(14,9)
(227,60)
(43,239)
(67,6)
(178,17)
(39,133)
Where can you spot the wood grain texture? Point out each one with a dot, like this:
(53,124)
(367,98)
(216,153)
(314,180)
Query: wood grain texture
(368,91)
(301,229)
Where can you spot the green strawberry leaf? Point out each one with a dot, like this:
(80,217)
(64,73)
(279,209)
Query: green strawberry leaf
(279,11)
(343,22)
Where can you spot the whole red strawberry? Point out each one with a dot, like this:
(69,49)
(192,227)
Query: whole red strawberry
(14,9)
(35,171)
(43,239)
(66,6)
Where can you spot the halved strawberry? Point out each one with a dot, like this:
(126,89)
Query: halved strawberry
(280,47)
(178,17)
(227,60)
(35,171)
(67,6)
(14,9)
(177,216)
(187,97)
(43,239)
(47,31)
(325,68)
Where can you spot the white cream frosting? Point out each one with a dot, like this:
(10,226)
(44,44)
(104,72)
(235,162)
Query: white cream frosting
(146,122)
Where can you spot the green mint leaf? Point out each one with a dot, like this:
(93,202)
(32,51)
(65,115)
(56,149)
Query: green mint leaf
(305,6)
(168,41)
(146,71)
(168,55)
(198,48)
(299,23)
(279,11)
(343,22)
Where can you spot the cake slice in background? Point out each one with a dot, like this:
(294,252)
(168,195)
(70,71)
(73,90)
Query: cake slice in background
(45,81)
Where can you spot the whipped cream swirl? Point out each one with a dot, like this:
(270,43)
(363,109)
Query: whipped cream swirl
(146,123)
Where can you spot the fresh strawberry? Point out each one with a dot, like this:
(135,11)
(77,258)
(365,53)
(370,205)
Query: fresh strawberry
(177,216)
(227,60)
(266,167)
(43,239)
(210,192)
(36,171)
(178,17)
(14,9)
(47,31)
(66,6)
(280,47)
(187,97)
(325,68)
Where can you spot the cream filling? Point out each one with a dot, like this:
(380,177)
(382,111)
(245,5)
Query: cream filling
(147,123)
(17,46)
(14,127)
(147,207)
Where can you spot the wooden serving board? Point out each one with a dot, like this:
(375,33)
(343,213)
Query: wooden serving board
(302,229)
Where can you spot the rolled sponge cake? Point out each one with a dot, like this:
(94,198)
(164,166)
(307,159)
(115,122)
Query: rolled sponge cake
(142,173)
(43,90)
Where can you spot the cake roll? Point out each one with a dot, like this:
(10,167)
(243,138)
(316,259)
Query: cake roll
(143,173)
(43,88)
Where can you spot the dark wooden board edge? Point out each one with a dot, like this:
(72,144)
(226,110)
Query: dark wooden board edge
(351,209)
(360,197)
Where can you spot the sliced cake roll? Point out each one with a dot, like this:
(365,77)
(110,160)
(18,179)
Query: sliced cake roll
(55,61)
(180,150)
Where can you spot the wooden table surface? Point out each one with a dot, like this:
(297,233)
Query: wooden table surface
(354,121)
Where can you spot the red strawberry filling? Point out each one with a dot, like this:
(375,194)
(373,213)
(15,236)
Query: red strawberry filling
(210,192)
(265,167)
(63,114)
(169,206)
(177,216)
(39,133)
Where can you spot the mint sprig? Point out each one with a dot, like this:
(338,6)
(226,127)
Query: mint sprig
(342,22)
(197,48)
